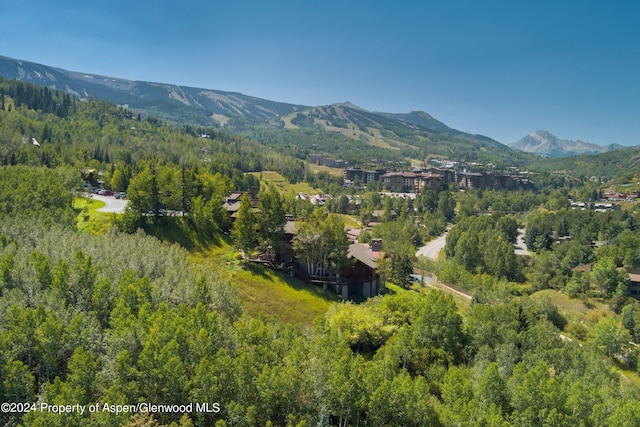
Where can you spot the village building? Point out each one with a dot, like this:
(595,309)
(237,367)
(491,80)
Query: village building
(412,182)
(469,180)
(364,176)
(321,159)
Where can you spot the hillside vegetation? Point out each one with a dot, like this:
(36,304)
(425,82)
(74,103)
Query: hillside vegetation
(605,166)
(159,308)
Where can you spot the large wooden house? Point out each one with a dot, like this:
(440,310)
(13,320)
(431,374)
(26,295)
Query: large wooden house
(358,280)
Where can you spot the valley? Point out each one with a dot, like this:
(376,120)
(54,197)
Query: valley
(269,264)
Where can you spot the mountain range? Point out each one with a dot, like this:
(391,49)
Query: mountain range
(170,102)
(543,143)
(417,133)
(209,107)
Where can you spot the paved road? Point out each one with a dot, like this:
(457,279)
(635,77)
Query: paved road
(521,246)
(112,204)
(433,248)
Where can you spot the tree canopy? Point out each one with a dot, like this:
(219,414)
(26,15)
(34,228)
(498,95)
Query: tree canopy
(128,316)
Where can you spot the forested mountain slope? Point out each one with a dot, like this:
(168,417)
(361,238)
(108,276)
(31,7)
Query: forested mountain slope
(170,102)
(97,134)
(347,132)
(613,164)
(412,136)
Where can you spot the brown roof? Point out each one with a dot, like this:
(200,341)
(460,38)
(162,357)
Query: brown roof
(231,207)
(353,233)
(362,254)
(634,274)
(235,196)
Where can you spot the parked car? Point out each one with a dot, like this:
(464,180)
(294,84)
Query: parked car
(121,195)
(105,193)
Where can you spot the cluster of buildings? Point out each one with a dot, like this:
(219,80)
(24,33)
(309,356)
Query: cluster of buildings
(597,207)
(609,202)
(631,196)
(434,179)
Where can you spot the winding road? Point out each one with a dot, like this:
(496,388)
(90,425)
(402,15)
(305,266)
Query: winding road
(433,248)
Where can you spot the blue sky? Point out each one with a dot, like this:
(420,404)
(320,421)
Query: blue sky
(498,68)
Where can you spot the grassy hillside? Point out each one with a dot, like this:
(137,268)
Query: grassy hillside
(282,185)
(575,310)
(265,293)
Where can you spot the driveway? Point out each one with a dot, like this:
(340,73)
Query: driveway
(112,204)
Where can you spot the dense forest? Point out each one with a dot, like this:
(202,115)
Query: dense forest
(127,327)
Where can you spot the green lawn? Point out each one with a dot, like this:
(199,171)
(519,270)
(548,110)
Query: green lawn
(270,295)
(88,218)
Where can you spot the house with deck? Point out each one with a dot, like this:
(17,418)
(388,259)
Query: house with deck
(358,280)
